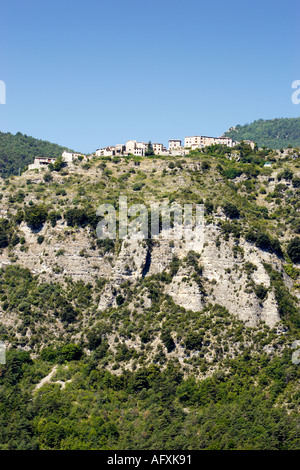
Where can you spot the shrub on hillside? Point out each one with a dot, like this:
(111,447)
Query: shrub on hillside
(293,250)
(231,173)
(167,340)
(194,340)
(261,291)
(80,217)
(296,182)
(231,210)
(4,233)
(264,241)
(286,174)
(208,207)
(76,217)
(35,215)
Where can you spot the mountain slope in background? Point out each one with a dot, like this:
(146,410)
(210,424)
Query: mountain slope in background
(17,151)
(272,133)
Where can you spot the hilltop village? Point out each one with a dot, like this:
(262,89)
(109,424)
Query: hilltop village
(133,147)
(175,146)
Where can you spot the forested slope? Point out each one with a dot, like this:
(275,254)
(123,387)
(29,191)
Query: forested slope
(19,150)
(272,133)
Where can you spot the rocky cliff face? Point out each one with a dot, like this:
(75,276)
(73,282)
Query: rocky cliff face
(210,268)
(67,252)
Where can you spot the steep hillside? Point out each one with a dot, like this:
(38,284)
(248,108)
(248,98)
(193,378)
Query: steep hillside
(160,342)
(272,133)
(17,151)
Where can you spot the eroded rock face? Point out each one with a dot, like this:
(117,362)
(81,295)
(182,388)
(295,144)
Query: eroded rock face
(228,279)
(68,252)
(64,252)
(129,265)
(224,276)
(185,292)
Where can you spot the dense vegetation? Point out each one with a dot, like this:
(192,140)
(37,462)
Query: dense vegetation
(250,402)
(273,133)
(146,373)
(147,409)
(19,150)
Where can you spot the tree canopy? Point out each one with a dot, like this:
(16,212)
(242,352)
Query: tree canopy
(273,133)
(19,150)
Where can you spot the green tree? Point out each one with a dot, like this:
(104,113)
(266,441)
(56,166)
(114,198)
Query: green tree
(35,215)
(293,250)
(296,182)
(231,210)
(167,340)
(149,150)
(58,164)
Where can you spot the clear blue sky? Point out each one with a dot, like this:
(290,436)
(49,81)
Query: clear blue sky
(86,74)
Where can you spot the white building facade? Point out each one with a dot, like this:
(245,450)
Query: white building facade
(200,141)
(158,149)
(106,152)
(41,162)
(174,144)
(69,156)
(136,148)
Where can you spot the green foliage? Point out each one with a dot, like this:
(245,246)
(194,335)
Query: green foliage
(149,151)
(19,150)
(149,376)
(81,217)
(233,228)
(231,210)
(106,245)
(296,182)
(58,164)
(293,250)
(205,166)
(48,177)
(208,207)
(286,302)
(53,217)
(292,271)
(35,215)
(137,186)
(250,268)
(194,340)
(94,339)
(76,217)
(14,367)
(261,291)
(273,133)
(49,354)
(264,241)
(174,266)
(120,299)
(286,174)
(4,233)
(167,340)
(145,336)
(149,408)
(19,197)
(40,239)
(69,352)
(67,313)
(231,172)
(64,353)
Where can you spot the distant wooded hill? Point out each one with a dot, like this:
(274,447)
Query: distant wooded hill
(273,133)
(19,150)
